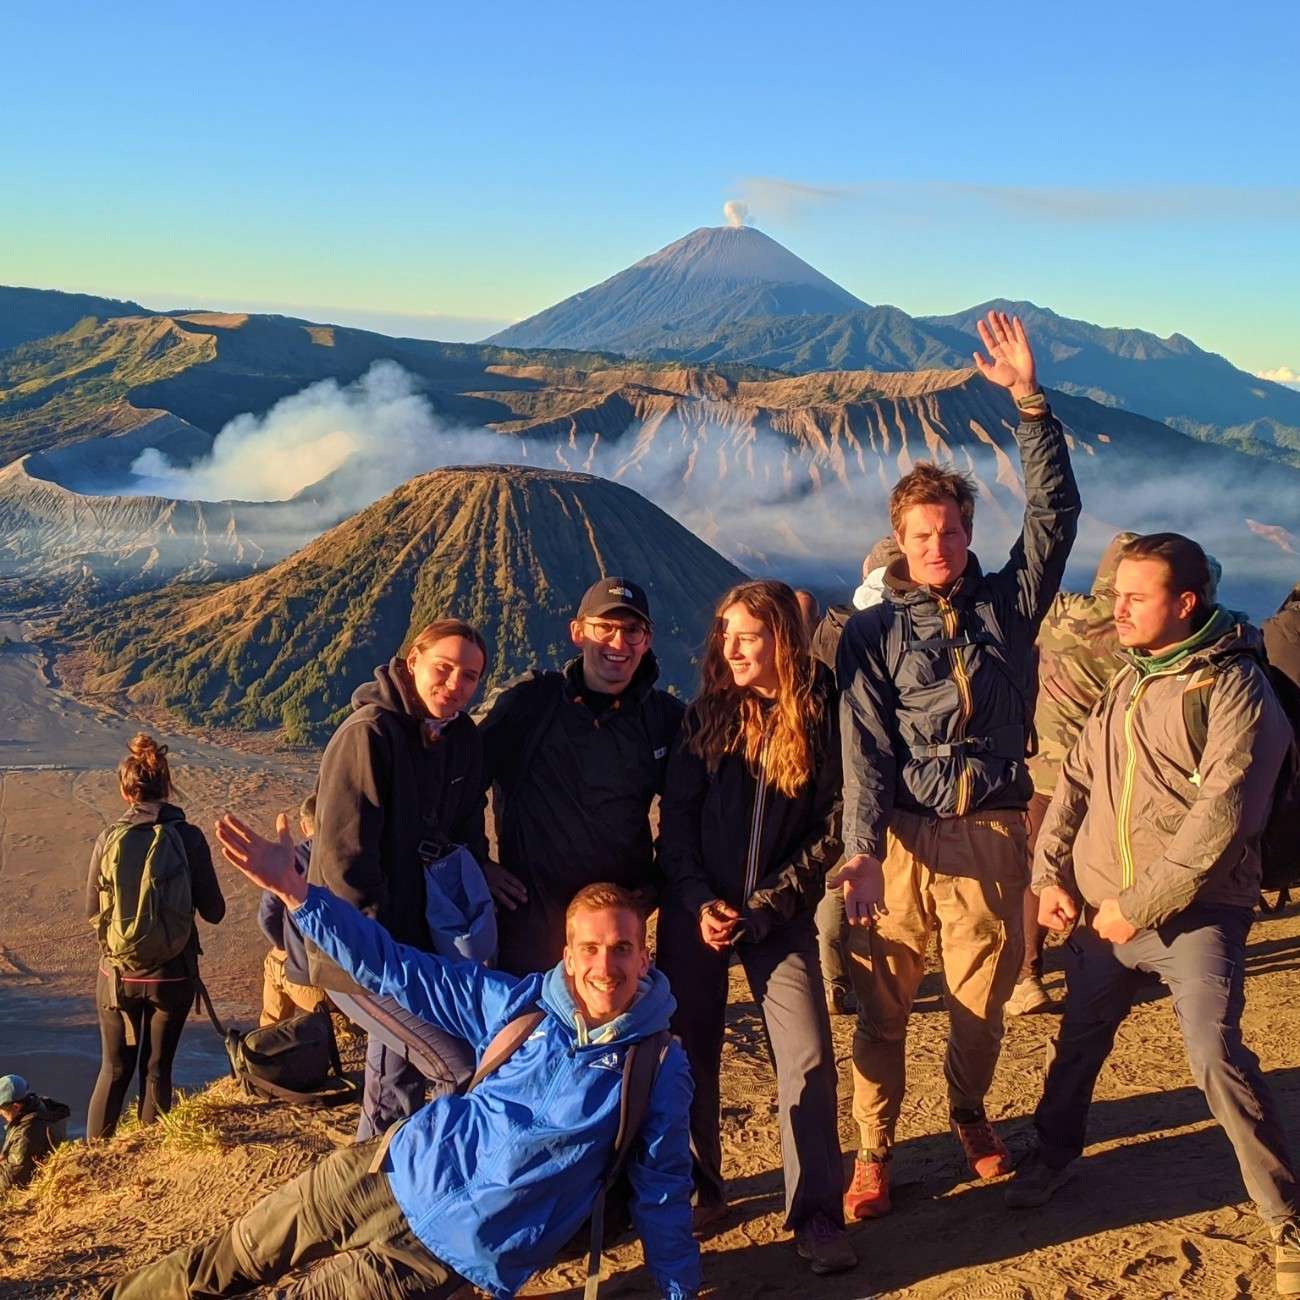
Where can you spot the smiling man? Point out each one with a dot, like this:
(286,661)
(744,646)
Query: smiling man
(574,758)
(936,685)
(488,1185)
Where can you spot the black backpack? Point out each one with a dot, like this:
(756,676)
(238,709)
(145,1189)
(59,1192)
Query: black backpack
(611,1214)
(1280,843)
(294,1060)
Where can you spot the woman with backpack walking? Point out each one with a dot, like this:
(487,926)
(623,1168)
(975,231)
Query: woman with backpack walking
(749,829)
(400,784)
(149,872)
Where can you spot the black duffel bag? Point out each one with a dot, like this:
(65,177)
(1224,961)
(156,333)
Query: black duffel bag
(292,1060)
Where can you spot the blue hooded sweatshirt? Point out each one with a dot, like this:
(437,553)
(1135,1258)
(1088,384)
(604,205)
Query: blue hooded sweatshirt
(495,1183)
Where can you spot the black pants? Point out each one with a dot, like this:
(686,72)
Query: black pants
(337,1211)
(143,1029)
(785,977)
(1201,955)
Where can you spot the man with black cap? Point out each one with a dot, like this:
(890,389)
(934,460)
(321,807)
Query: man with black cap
(575,757)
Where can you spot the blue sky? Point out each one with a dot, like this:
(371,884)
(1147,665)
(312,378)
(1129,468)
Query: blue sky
(1130,164)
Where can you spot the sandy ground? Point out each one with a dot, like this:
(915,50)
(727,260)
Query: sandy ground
(1157,1209)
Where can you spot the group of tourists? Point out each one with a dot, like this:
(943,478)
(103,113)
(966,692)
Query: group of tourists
(839,791)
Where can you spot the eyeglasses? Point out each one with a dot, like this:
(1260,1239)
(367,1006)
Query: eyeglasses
(604,632)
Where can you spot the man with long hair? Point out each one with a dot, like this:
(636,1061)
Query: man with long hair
(937,681)
(749,829)
(1150,855)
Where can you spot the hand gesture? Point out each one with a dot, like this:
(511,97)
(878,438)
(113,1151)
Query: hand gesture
(863,880)
(267,863)
(506,888)
(1057,909)
(1010,363)
(719,923)
(1110,924)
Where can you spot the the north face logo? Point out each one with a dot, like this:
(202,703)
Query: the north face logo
(621,591)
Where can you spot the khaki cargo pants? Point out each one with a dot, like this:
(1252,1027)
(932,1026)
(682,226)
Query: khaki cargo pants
(281,997)
(964,877)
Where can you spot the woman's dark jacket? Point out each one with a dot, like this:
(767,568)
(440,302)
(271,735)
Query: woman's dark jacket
(726,835)
(205,890)
(389,785)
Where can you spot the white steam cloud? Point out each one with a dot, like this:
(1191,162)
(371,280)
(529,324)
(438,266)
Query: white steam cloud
(736,213)
(770,503)
(1281,375)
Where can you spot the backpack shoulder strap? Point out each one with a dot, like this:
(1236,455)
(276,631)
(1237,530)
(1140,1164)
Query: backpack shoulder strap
(505,1043)
(1196,712)
(640,1069)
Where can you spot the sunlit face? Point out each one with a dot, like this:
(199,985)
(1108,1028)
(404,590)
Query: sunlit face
(935,543)
(612,646)
(605,958)
(1148,614)
(749,647)
(446,675)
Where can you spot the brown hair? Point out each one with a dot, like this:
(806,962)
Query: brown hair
(143,774)
(431,633)
(1188,565)
(307,811)
(776,743)
(928,485)
(601,897)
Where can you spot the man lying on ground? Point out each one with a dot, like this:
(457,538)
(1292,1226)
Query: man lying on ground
(485,1186)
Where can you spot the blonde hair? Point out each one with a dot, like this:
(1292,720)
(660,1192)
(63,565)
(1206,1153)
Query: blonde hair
(776,743)
(601,897)
(144,774)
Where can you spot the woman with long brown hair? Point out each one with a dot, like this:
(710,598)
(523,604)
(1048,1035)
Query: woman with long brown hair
(150,871)
(399,784)
(749,828)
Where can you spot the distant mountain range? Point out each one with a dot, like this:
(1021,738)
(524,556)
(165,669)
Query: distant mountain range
(510,549)
(734,296)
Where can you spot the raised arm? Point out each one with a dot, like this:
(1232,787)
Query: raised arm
(1052,505)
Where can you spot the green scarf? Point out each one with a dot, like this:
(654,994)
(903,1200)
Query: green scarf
(1219,622)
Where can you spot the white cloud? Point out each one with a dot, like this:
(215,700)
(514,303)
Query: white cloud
(1281,375)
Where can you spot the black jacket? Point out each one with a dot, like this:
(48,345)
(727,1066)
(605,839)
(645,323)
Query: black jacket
(573,790)
(205,890)
(1282,637)
(29,1137)
(724,834)
(937,691)
(386,786)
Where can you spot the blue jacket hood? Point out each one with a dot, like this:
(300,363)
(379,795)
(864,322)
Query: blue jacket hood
(650,1011)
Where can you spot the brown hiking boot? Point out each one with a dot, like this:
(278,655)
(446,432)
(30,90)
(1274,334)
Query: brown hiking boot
(983,1149)
(868,1194)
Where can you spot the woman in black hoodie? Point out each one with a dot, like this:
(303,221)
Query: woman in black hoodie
(749,829)
(400,783)
(142,1012)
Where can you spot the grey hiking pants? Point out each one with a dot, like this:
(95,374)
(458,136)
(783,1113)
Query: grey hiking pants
(785,977)
(1201,955)
(335,1211)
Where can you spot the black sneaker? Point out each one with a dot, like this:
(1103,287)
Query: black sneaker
(1035,1183)
(826,1246)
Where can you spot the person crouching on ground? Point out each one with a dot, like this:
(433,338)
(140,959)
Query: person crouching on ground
(286,987)
(484,1186)
(1159,843)
(34,1126)
(400,774)
(749,827)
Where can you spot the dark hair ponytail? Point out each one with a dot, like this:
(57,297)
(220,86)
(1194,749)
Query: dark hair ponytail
(143,774)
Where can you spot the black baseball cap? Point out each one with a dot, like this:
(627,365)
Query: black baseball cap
(611,595)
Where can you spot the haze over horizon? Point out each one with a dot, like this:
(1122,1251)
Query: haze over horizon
(321,171)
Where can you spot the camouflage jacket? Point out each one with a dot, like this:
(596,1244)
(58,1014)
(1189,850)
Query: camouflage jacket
(1077,656)
(1282,637)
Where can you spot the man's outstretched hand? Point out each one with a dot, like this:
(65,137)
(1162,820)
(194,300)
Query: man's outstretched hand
(267,863)
(1010,360)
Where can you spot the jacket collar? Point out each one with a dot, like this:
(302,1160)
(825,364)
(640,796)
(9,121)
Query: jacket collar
(642,683)
(650,1010)
(901,590)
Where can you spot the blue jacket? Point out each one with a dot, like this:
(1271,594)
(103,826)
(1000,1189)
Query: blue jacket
(496,1183)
